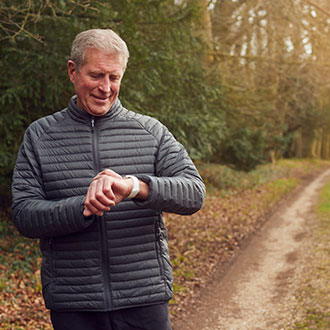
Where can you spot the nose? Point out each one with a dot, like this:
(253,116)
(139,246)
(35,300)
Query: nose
(105,85)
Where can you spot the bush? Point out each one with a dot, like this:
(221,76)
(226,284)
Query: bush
(242,149)
(165,76)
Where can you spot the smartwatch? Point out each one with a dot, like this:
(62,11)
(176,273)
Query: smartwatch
(136,186)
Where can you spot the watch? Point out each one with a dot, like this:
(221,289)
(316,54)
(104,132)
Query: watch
(136,186)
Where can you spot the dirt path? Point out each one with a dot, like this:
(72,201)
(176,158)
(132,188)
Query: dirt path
(257,291)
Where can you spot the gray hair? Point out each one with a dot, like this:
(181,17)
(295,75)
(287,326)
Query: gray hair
(101,39)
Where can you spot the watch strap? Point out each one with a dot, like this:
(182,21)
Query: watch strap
(136,186)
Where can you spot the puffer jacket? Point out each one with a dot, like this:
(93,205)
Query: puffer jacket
(120,259)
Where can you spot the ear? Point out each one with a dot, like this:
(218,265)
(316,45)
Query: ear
(72,69)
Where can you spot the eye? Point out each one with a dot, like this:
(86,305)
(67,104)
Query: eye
(95,75)
(114,78)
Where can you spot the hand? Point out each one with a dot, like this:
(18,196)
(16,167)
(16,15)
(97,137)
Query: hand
(107,189)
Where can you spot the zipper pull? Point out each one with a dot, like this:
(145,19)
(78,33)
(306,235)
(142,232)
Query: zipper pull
(93,122)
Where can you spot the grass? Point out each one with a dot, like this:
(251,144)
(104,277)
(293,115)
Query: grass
(232,210)
(315,291)
(224,180)
(236,205)
(12,245)
(282,186)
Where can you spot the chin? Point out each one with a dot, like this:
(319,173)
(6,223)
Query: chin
(100,112)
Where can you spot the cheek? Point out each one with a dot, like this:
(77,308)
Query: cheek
(115,87)
(87,85)
(90,85)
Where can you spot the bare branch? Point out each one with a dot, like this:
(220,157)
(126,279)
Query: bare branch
(312,3)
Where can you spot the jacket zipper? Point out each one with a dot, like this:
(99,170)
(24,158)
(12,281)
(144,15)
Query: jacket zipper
(96,162)
(101,221)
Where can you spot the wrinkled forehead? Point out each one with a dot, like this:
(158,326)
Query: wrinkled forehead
(96,57)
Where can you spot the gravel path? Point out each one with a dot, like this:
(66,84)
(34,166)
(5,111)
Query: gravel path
(257,291)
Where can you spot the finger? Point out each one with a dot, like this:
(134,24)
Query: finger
(112,173)
(104,192)
(108,172)
(89,209)
(92,201)
(87,212)
(108,189)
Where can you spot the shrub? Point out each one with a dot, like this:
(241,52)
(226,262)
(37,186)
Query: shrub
(243,149)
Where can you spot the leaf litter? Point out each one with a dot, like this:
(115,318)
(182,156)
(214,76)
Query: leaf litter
(198,244)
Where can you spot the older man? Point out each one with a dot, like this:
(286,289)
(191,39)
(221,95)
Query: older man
(91,182)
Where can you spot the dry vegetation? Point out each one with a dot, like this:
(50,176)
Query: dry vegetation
(199,244)
(208,240)
(272,57)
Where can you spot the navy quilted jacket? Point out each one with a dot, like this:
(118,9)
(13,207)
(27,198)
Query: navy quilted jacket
(118,260)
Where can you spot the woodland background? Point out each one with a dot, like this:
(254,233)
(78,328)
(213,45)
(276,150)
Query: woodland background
(238,82)
(243,84)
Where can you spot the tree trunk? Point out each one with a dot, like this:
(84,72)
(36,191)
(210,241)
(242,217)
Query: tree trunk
(205,30)
(325,144)
(298,145)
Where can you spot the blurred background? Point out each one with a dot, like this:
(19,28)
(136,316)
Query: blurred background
(243,84)
(238,82)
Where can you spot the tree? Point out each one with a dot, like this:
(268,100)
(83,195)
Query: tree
(272,60)
(164,76)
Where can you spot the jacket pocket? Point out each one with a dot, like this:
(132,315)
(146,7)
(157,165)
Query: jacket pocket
(164,258)
(47,269)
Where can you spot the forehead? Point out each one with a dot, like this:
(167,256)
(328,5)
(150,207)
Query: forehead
(96,59)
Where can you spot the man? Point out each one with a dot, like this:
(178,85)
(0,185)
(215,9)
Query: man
(91,182)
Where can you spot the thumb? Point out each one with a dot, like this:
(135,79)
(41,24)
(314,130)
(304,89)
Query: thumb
(87,212)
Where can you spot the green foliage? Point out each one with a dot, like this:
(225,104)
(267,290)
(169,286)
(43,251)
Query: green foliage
(324,204)
(169,81)
(225,180)
(34,82)
(315,319)
(18,254)
(243,148)
(164,79)
(283,185)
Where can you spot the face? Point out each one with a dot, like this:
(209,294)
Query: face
(97,82)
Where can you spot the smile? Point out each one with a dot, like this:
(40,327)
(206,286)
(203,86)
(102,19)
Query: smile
(100,98)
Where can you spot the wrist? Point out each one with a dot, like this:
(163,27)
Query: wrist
(135,188)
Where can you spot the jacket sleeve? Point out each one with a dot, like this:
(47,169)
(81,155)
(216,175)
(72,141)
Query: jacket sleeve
(34,215)
(177,186)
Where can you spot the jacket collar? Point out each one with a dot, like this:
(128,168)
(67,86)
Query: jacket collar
(83,116)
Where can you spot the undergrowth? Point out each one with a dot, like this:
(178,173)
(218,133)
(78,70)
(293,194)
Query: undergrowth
(21,305)
(237,204)
(195,244)
(224,180)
